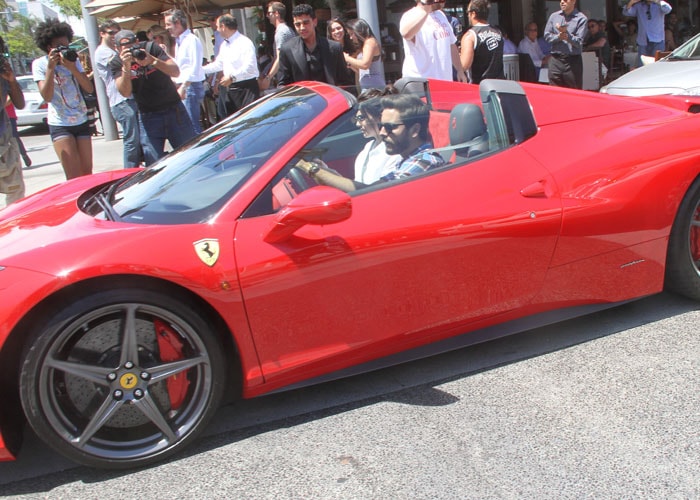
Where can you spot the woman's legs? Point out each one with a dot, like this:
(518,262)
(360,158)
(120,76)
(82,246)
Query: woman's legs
(72,153)
(85,151)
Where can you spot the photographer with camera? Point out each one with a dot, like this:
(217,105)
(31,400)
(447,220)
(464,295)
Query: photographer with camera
(60,77)
(145,70)
(651,32)
(123,109)
(11,181)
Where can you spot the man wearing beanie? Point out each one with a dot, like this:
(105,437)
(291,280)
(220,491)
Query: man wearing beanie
(145,70)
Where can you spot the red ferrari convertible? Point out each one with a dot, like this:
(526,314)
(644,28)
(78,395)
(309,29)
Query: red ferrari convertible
(134,302)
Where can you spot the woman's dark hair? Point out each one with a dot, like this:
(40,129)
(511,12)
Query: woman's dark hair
(362,29)
(370,103)
(348,45)
(49,30)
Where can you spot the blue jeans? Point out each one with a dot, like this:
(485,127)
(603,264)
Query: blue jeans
(193,103)
(649,50)
(127,114)
(173,124)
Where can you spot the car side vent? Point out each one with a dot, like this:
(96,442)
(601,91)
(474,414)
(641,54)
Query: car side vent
(695,108)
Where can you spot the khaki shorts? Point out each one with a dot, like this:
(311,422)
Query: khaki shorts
(11,180)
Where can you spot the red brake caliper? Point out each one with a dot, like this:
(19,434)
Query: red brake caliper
(170,347)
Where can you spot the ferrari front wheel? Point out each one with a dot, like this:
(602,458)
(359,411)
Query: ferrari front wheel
(121,378)
(683,258)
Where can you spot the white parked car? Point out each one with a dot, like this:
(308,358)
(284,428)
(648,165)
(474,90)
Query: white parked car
(676,74)
(35,109)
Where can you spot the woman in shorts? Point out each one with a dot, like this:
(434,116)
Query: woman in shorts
(60,77)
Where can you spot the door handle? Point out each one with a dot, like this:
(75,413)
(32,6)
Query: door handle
(535,190)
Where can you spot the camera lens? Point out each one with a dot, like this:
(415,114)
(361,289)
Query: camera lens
(138,53)
(68,53)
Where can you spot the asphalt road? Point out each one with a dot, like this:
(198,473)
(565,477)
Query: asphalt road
(605,406)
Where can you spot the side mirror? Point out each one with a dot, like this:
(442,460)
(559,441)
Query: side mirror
(319,206)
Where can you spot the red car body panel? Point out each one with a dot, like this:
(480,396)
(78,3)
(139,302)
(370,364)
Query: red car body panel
(576,215)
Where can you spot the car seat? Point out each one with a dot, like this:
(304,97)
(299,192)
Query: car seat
(468,134)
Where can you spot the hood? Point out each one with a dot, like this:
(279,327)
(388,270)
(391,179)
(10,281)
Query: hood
(666,76)
(31,227)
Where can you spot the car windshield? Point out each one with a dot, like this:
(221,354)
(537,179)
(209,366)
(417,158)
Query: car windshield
(689,50)
(192,184)
(28,85)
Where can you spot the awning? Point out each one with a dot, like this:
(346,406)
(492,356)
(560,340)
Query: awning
(109,9)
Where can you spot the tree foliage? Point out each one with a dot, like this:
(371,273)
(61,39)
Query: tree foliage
(19,38)
(69,7)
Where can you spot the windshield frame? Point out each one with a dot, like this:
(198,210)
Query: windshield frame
(192,184)
(690,50)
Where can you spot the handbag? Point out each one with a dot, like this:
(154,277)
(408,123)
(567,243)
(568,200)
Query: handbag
(90,99)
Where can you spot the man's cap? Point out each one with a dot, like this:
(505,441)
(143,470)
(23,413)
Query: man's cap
(124,37)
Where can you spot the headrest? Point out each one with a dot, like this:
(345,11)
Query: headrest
(411,85)
(466,123)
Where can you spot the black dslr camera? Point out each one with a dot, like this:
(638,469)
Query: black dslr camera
(67,53)
(4,58)
(138,52)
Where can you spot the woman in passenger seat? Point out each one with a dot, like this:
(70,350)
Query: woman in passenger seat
(373,162)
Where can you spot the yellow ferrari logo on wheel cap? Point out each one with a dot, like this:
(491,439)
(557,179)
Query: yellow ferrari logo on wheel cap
(128,381)
(207,250)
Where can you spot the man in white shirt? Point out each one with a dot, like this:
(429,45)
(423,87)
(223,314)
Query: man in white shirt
(531,46)
(430,45)
(124,109)
(238,61)
(188,56)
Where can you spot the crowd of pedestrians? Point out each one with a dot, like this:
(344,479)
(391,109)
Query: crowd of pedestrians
(160,87)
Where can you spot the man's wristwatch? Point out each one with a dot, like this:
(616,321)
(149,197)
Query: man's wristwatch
(313,169)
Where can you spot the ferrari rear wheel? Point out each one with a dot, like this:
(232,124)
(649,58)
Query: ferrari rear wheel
(122,378)
(683,259)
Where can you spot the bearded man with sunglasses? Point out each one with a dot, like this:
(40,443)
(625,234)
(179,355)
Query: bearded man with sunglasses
(123,109)
(651,35)
(403,128)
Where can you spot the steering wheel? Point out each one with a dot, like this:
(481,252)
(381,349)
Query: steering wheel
(299,178)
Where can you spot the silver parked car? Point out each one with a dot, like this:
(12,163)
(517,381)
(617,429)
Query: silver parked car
(677,74)
(35,109)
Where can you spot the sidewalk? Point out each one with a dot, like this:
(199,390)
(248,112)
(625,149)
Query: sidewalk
(46,169)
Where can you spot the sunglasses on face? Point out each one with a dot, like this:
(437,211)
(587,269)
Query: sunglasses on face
(390,127)
(111,33)
(357,119)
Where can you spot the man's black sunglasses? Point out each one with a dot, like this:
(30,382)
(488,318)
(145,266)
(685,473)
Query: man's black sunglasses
(390,126)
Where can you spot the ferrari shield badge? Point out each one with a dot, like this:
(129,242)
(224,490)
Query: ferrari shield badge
(207,250)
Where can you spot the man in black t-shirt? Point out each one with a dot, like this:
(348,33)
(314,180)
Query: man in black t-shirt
(146,71)
(482,45)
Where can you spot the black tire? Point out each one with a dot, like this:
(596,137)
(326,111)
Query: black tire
(683,258)
(121,378)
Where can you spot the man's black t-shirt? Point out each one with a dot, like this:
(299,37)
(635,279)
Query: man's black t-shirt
(152,89)
(488,54)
